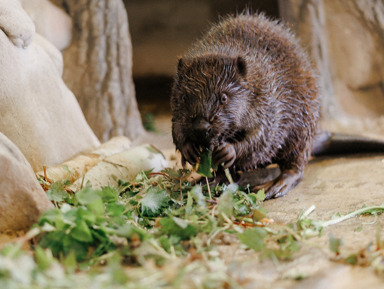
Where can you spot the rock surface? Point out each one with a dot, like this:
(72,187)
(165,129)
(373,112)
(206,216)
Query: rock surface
(22,200)
(98,67)
(39,114)
(346,40)
(15,23)
(124,166)
(50,21)
(75,168)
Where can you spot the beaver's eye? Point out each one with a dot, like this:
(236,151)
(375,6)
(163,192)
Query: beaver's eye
(224,98)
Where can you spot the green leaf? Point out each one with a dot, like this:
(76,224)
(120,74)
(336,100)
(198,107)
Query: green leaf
(57,192)
(81,249)
(335,244)
(127,230)
(351,259)
(50,216)
(97,207)
(241,209)
(183,224)
(109,195)
(70,261)
(43,259)
(188,206)
(87,195)
(154,201)
(115,209)
(165,242)
(288,246)
(205,164)
(260,195)
(81,232)
(178,228)
(65,167)
(226,203)
(253,238)
(258,215)
(198,196)
(232,188)
(10,250)
(86,215)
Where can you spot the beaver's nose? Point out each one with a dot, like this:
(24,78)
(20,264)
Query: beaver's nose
(202,127)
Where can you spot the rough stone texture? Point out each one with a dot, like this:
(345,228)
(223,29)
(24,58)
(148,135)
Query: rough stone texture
(15,23)
(50,21)
(346,40)
(38,112)
(124,165)
(75,168)
(98,67)
(22,200)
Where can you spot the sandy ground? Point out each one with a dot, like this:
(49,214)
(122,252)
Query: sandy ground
(334,185)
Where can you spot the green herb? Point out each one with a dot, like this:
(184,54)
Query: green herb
(160,218)
(335,244)
(149,122)
(154,201)
(205,164)
(254,238)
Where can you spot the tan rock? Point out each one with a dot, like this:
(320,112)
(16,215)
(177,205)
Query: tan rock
(50,21)
(38,112)
(75,168)
(22,200)
(15,23)
(345,39)
(122,166)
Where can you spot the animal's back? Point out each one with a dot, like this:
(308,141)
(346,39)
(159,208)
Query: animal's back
(252,36)
(279,71)
(274,118)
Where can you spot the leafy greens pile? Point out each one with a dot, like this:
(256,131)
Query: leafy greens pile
(159,219)
(156,210)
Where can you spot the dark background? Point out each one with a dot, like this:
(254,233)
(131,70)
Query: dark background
(162,30)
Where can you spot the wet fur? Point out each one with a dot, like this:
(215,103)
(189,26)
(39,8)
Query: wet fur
(272,106)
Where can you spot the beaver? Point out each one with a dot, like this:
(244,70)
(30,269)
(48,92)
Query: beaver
(247,91)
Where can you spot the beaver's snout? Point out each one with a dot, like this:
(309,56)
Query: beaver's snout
(202,131)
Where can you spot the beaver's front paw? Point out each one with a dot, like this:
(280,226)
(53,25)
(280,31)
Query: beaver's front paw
(190,153)
(224,154)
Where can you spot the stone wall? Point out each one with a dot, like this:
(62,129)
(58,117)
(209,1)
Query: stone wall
(98,67)
(346,41)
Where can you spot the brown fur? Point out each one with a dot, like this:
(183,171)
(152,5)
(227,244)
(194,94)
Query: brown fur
(247,91)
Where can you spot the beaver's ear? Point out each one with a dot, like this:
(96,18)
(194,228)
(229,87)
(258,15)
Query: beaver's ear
(180,68)
(180,64)
(241,66)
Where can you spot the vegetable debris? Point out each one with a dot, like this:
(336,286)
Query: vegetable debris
(158,218)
